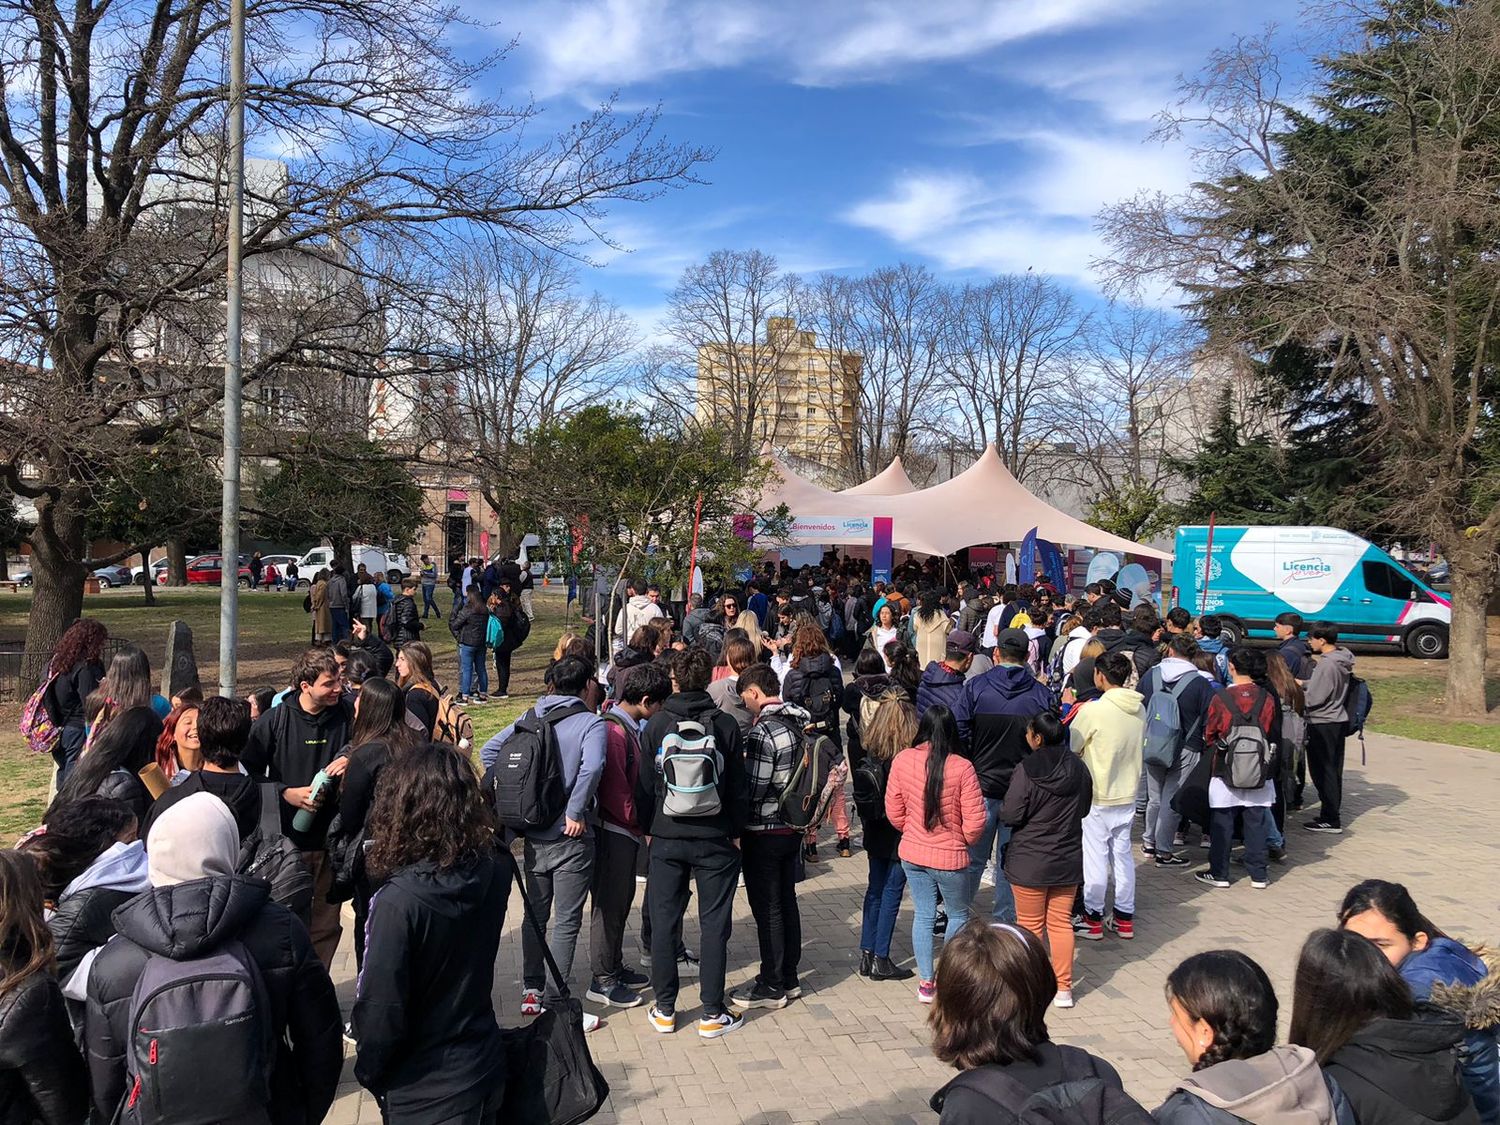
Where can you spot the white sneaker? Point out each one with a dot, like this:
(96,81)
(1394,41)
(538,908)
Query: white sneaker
(987,877)
(591,1022)
(1064,999)
(1259,884)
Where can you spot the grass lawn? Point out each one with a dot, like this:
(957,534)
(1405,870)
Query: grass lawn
(273,631)
(1412,706)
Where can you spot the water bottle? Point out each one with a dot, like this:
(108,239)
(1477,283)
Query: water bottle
(303,821)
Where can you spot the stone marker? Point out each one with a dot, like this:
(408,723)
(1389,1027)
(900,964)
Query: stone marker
(181,667)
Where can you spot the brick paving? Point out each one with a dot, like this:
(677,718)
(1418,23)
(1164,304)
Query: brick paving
(855,1051)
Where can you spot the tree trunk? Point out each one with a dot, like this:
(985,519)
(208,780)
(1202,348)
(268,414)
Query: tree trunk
(176,562)
(343,551)
(1473,576)
(57,574)
(147,578)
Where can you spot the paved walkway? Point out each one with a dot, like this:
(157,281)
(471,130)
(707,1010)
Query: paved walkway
(856,1051)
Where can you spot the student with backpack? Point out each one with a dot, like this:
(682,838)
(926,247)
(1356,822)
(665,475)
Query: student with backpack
(990,1022)
(933,799)
(219,981)
(618,843)
(429,1047)
(1243,733)
(543,771)
(887,729)
(53,719)
(1327,693)
(693,801)
(1176,697)
(42,1077)
(815,684)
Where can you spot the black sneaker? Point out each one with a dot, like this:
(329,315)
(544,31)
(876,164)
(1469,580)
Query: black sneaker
(612,993)
(940,924)
(632,979)
(1323,826)
(757,994)
(1168,859)
(1209,879)
(1277,854)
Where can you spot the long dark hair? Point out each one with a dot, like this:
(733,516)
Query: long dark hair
(381,714)
(1285,684)
(81,644)
(127,743)
(1232,994)
(1343,982)
(76,835)
(127,684)
(939,730)
(428,808)
(930,604)
(905,668)
(26,946)
(1393,902)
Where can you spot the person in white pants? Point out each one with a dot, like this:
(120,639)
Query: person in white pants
(1107,734)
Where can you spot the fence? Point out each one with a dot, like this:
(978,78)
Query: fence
(20,672)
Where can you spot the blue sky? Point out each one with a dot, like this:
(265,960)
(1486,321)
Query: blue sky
(974,136)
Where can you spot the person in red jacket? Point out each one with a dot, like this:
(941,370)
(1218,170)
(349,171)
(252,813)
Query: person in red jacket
(643,689)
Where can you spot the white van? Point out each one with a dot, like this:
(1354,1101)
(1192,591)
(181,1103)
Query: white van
(374,559)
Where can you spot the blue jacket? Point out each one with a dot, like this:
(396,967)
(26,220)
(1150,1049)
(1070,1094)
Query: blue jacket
(1454,979)
(1215,645)
(993,711)
(940,684)
(581,741)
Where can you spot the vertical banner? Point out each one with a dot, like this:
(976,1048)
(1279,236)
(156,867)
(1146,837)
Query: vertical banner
(484,545)
(881,561)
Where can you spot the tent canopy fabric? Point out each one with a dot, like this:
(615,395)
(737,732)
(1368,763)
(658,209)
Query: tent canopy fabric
(983,504)
(890,481)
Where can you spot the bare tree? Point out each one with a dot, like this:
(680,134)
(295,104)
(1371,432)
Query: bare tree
(1363,230)
(112,196)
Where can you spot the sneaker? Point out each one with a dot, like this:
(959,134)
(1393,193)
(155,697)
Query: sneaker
(663,1023)
(794,993)
(504,695)
(940,924)
(612,994)
(531,1002)
(719,1025)
(987,877)
(1080,925)
(1277,854)
(844,850)
(1171,859)
(1208,879)
(927,991)
(591,1022)
(1260,884)
(1148,848)
(482,698)
(1063,999)
(1179,841)
(1203,840)
(687,966)
(757,994)
(1093,928)
(810,853)
(1123,928)
(349,1035)
(462,700)
(1323,826)
(632,979)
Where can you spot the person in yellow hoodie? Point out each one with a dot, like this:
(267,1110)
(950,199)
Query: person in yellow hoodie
(1108,734)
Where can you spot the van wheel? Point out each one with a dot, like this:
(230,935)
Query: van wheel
(1234,631)
(244,583)
(304,584)
(1427,642)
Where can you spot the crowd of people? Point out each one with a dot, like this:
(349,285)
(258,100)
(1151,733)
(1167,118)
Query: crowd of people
(979,736)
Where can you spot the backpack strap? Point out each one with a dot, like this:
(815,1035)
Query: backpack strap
(992,1082)
(270,814)
(535,923)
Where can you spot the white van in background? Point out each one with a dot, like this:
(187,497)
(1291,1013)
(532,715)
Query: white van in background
(376,561)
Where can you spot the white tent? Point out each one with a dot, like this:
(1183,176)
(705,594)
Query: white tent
(983,504)
(891,481)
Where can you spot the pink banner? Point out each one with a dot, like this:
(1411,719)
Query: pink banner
(484,544)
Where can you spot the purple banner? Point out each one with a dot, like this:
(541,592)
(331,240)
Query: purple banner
(880,550)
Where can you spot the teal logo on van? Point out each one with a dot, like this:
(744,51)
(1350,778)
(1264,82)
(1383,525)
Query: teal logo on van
(1301,570)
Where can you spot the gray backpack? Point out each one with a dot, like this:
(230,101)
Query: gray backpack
(201,1042)
(691,767)
(1164,734)
(1245,759)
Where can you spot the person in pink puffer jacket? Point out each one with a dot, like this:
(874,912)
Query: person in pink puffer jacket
(933,799)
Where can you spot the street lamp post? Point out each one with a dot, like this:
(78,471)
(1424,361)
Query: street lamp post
(229,535)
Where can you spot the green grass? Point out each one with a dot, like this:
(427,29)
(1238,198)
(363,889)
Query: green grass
(1413,706)
(273,631)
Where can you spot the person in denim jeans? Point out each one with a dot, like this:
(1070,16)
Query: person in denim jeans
(558,863)
(468,624)
(933,799)
(892,728)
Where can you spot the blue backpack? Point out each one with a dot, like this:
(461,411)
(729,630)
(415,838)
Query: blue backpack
(1164,734)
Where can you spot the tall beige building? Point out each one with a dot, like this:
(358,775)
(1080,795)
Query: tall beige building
(783,389)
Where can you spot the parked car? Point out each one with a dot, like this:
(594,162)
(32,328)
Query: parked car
(158,573)
(22,578)
(112,576)
(208,570)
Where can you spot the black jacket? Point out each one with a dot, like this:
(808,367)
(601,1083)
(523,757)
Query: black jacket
(405,621)
(1404,1072)
(881,837)
(289,746)
(734,785)
(190,920)
(1048,798)
(1141,649)
(357,793)
(1297,655)
(468,626)
(794,688)
(239,791)
(65,701)
(42,1079)
(974,1098)
(84,921)
(126,787)
(428,1042)
(422,704)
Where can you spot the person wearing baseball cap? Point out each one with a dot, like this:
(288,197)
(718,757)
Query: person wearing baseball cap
(942,680)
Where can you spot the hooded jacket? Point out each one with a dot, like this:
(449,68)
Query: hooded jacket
(1073,650)
(1284,1086)
(808,676)
(1464,985)
(1328,686)
(635,613)
(772,748)
(83,922)
(42,1079)
(289,746)
(469,626)
(1048,798)
(1404,1072)
(1139,647)
(190,920)
(1107,734)
(726,696)
(1193,697)
(622,768)
(429,1045)
(734,786)
(237,790)
(939,684)
(581,744)
(993,711)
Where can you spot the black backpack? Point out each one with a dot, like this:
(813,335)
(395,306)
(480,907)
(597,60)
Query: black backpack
(527,777)
(268,854)
(201,1044)
(711,637)
(868,782)
(820,698)
(801,799)
(1083,1097)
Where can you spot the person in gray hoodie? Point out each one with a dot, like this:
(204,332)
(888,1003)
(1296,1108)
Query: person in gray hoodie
(1223,1015)
(1327,715)
(1177,676)
(558,861)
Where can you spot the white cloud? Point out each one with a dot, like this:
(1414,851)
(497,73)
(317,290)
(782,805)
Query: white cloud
(921,205)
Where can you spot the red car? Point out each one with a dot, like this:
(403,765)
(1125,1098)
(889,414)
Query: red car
(208,570)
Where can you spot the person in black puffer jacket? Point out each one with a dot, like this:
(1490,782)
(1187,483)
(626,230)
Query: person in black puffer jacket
(196,904)
(90,863)
(892,728)
(78,669)
(41,1073)
(112,766)
(405,622)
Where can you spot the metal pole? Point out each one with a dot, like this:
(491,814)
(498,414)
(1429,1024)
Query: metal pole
(1208,562)
(229,536)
